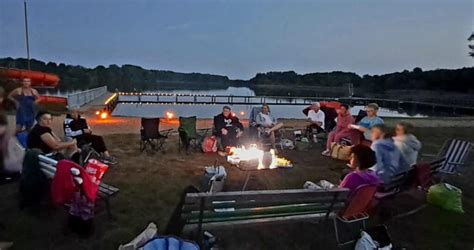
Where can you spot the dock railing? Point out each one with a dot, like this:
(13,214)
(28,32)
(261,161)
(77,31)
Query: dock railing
(78,99)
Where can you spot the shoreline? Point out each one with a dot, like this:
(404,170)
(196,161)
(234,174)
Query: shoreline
(129,125)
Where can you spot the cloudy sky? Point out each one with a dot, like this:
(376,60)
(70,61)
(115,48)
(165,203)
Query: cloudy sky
(239,38)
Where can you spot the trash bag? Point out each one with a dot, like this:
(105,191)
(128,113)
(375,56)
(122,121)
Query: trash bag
(445,196)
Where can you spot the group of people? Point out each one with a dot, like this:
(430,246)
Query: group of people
(228,129)
(377,154)
(39,133)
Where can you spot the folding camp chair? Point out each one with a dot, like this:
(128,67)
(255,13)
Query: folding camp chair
(356,209)
(455,153)
(257,134)
(150,134)
(189,135)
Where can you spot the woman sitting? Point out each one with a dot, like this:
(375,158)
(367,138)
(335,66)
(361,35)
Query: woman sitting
(406,142)
(364,127)
(43,138)
(267,124)
(344,119)
(362,158)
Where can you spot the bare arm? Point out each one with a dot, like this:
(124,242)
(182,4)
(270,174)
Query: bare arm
(36,95)
(56,145)
(12,95)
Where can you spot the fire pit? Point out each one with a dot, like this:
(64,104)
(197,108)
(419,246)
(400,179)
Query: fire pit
(254,158)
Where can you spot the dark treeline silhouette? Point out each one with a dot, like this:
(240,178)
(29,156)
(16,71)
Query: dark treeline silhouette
(457,80)
(130,77)
(123,78)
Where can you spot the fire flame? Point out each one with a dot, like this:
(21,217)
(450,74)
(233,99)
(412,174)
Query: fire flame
(238,154)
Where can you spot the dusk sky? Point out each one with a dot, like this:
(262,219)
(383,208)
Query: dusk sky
(240,38)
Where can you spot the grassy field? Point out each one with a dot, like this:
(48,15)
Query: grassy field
(151,184)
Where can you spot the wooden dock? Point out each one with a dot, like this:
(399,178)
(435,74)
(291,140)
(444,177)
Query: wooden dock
(410,107)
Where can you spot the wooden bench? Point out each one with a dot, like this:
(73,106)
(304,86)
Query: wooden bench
(211,210)
(48,166)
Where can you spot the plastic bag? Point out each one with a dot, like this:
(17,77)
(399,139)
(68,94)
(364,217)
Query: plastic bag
(365,242)
(445,196)
(96,170)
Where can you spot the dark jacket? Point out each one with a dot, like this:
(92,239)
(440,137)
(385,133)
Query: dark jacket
(231,123)
(74,128)
(33,183)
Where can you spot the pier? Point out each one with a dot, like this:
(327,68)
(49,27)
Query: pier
(411,107)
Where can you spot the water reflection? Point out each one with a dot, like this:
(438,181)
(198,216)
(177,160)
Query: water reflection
(209,111)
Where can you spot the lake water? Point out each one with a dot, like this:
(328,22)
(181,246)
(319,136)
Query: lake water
(209,111)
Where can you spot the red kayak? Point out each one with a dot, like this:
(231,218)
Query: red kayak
(38,79)
(57,100)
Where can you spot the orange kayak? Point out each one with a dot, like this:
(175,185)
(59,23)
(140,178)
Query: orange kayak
(38,79)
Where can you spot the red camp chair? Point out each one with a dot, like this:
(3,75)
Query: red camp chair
(356,209)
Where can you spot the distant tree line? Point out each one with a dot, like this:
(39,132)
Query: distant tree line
(130,77)
(458,80)
(123,78)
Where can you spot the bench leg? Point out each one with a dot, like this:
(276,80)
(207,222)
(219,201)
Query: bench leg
(107,208)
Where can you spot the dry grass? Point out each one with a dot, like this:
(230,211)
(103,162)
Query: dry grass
(150,186)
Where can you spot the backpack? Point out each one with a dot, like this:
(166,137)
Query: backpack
(340,152)
(209,144)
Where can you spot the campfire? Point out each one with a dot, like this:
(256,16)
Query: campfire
(253,157)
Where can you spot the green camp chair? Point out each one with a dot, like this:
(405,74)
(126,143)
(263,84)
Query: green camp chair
(189,136)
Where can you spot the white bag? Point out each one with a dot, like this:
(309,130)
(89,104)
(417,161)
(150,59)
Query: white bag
(217,180)
(14,161)
(367,243)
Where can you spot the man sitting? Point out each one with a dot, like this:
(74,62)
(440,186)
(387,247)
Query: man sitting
(365,125)
(227,129)
(389,158)
(267,124)
(43,138)
(316,119)
(76,127)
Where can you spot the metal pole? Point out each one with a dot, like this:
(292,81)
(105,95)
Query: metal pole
(27,40)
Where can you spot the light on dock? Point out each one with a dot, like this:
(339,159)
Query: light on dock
(104,115)
(169,115)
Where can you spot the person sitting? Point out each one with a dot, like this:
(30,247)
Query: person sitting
(76,127)
(227,129)
(25,99)
(267,125)
(362,159)
(365,125)
(406,142)
(344,119)
(42,137)
(389,158)
(316,119)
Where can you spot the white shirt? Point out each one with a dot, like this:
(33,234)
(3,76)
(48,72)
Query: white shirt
(317,116)
(266,120)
